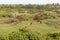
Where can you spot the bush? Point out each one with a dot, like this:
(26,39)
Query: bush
(53,36)
(3,37)
(24,34)
(6,15)
(23,17)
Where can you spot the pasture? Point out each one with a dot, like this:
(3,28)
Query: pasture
(43,29)
(29,22)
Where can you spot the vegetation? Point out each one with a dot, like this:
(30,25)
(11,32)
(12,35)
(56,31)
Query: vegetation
(30,22)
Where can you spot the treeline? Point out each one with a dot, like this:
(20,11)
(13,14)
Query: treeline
(30,7)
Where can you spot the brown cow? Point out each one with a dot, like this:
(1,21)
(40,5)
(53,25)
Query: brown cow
(38,17)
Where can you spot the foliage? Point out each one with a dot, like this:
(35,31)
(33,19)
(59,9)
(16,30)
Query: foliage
(26,13)
(23,17)
(55,36)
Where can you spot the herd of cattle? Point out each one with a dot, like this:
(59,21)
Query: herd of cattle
(38,17)
(14,20)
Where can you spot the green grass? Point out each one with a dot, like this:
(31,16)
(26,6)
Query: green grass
(43,28)
(35,27)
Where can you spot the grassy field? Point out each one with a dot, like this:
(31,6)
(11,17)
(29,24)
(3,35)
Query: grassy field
(43,29)
(30,22)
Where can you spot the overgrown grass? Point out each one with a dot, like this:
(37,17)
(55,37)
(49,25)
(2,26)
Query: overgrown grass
(26,31)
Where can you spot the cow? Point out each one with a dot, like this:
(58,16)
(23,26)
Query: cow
(38,17)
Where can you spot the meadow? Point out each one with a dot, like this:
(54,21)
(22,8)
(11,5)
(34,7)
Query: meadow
(30,22)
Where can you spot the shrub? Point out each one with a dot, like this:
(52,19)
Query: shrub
(23,17)
(3,37)
(24,34)
(55,36)
(6,15)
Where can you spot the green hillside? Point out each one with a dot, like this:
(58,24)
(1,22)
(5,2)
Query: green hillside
(30,22)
